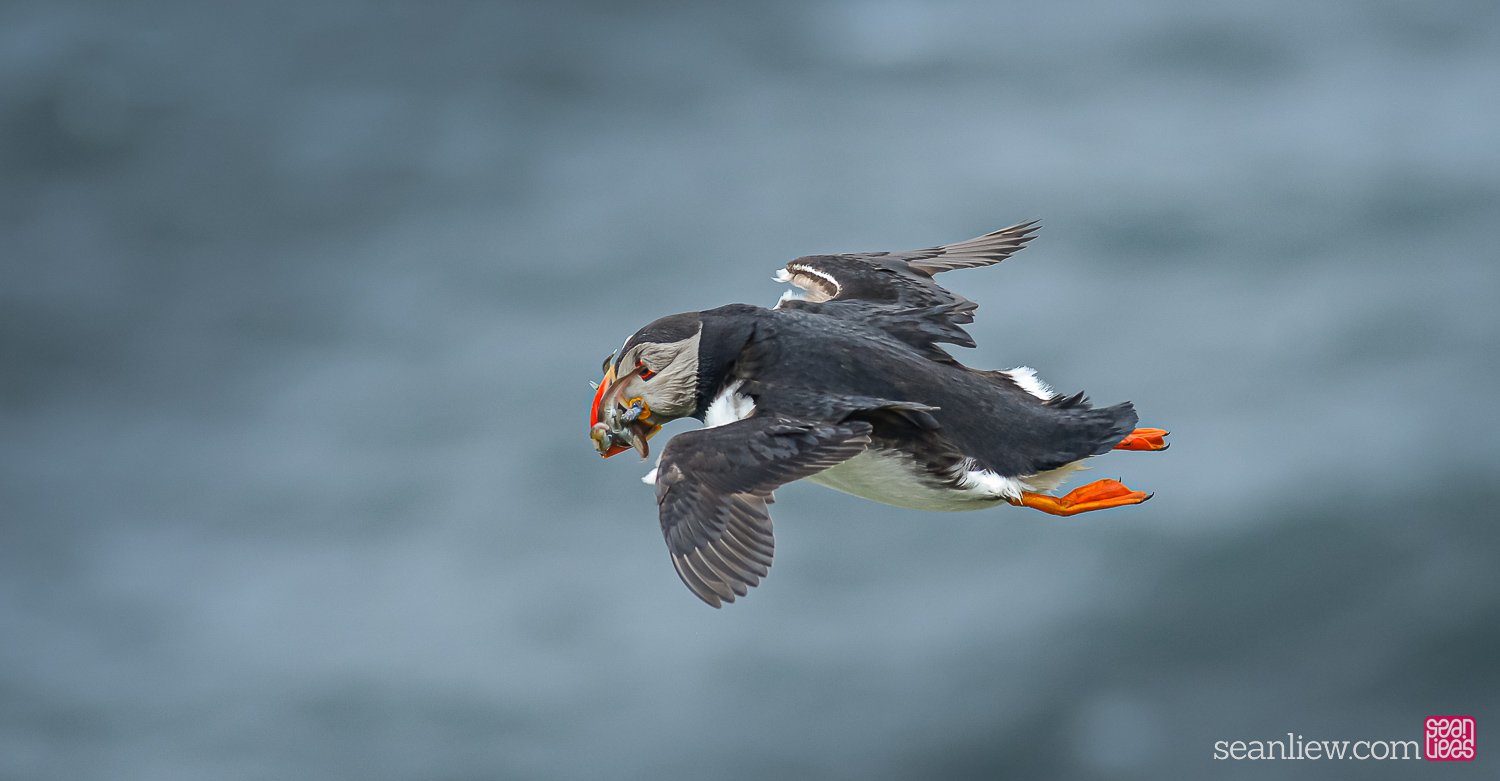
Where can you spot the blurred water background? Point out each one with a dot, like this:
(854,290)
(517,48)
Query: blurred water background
(300,302)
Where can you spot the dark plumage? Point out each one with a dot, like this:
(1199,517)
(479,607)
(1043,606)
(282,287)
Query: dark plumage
(713,486)
(851,388)
(800,363)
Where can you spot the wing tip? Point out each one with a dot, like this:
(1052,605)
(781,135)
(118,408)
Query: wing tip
(985,250)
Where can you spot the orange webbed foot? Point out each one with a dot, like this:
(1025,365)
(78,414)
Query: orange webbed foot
(1098,495)
(1144,439)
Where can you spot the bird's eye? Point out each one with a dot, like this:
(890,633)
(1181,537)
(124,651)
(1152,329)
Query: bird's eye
(645,373)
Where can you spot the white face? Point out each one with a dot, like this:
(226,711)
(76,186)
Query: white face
(665,376)
(647,385)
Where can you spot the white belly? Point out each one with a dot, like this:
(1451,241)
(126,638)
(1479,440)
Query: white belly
(892,478)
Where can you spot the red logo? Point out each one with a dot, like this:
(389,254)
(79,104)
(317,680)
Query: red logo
(1449,738)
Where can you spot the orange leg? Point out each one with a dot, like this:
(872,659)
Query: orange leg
(1098,495)
(1144,439)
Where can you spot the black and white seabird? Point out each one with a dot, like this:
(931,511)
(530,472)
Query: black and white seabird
(844,383)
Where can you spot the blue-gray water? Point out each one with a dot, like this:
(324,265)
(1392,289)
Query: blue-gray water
(299,305)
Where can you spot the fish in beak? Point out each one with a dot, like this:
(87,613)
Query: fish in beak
(618,424)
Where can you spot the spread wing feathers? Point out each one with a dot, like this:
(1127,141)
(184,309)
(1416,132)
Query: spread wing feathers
(713,485)
(894,290)
(986,250)
(903,278)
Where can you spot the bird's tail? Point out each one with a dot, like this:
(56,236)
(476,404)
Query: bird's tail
(1091,431)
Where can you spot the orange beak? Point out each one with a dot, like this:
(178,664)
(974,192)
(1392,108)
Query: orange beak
(599,430)
(610,434)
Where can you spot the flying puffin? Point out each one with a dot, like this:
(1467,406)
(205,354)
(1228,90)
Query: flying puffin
(844,383)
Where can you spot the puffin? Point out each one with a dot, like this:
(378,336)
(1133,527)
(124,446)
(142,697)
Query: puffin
(845,382)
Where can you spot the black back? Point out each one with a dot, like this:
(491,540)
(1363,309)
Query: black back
(800,364)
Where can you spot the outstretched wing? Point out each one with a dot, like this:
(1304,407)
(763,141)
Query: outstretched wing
(903,279)
(713,486)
